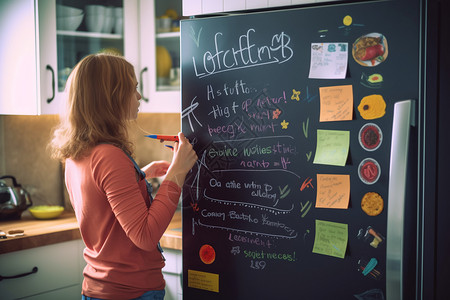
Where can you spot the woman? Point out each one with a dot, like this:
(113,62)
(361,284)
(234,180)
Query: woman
(119,222)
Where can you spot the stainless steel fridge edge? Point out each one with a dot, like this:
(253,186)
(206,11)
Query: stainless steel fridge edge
(402,121)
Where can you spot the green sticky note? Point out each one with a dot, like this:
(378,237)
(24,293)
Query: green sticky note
(331,238)
(332,147)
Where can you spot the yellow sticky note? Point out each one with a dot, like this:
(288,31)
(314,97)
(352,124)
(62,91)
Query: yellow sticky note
(331,238)
(203,280)
(333,191)
(336,103)
(332,147)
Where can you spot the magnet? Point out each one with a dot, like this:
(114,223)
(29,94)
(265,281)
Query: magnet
(369,171)
(373,294)
(367,268)
(372,107)
(372,204)
(207,254)
(373,81)
(371,236)
(370,137)
(370,50)
(347,21)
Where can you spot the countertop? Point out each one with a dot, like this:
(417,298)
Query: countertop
(65,228)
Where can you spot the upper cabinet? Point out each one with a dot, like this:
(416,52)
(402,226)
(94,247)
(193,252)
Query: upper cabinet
(42,40)
(83,28)
(159,73)
(27,58)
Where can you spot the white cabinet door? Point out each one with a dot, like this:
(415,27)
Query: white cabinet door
(28,57)
(36,56)
(60,268)
(158,96)
(18,73)
(49,101)
(173,274)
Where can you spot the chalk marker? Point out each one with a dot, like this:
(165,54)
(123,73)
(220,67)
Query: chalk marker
(172,138)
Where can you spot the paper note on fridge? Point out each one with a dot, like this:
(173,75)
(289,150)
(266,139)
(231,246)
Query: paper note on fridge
(336,103)
(331,238)
(328,60)
(333,191)
(332,147)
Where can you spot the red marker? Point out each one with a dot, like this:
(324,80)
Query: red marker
(172,138)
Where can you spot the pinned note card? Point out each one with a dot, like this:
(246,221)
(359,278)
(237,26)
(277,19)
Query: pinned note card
(336,103)
(331,238)
(328,60)
(332,147)
(203,280)
(333,191)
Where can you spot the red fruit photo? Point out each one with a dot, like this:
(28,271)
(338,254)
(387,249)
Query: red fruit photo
(370,50)
(207,254)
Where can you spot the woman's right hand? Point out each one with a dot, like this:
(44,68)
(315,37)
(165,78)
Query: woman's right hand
(184,158)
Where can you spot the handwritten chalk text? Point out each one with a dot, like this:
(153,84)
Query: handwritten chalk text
(246,54)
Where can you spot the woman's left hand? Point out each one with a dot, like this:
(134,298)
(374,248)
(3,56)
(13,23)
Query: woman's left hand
(156,168)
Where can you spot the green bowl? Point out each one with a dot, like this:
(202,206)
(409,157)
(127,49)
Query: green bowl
(45,212)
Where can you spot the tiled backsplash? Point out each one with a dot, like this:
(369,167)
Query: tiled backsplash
(24,153)
(199,7)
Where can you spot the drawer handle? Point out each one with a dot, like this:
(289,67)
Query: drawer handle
(141,79)
(53,83)
(35,269)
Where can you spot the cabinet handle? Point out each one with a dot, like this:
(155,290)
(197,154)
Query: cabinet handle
(53,84)
(35,269)
(141,79)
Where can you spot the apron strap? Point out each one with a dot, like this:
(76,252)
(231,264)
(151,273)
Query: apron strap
(142,175)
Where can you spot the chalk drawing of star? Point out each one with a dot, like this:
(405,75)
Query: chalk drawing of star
(295,95)
(276,113)
(284,124)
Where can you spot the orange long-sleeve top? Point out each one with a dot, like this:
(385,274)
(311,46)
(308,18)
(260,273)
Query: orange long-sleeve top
(119,227)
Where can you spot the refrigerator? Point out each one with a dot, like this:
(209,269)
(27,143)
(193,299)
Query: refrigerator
(311,124)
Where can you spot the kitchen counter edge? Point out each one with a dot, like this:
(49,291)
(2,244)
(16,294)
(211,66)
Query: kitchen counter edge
(65,228)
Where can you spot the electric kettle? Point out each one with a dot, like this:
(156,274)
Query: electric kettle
(13,199)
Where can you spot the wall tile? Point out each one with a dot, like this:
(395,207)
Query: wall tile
(147,149)
(192,7)
(212,6)
(233,5)
(26,157)
(294,2)
(253,4)
(273,3)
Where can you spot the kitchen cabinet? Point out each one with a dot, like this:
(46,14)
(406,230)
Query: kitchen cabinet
(39,48)
(160,55)
(28,58)
(41,41)
(173,274)
(59,276)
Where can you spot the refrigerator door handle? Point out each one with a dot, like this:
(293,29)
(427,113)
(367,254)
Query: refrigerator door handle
(402,121)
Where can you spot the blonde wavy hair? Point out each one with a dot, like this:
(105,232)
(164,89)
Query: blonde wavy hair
(98,107)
